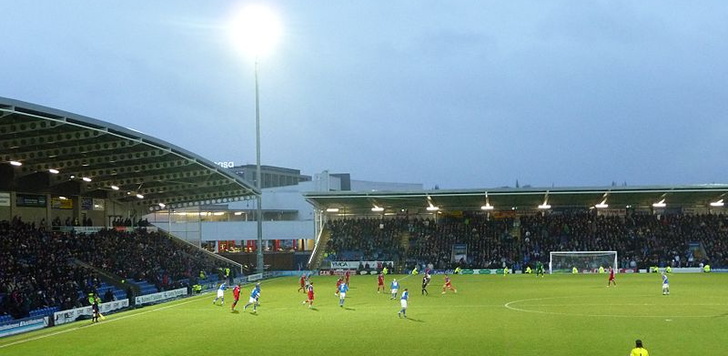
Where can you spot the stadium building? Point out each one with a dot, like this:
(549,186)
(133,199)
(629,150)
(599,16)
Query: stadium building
(67,171)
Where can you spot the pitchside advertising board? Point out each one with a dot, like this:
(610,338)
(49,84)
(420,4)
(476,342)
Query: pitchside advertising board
(22,326)
(158,297)
(68,316)
(356,264)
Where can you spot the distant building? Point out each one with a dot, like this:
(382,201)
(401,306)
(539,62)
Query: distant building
(271,176)
(288,218)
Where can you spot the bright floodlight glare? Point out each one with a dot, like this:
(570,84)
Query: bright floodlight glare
(717,204)
(377,209)
(53,171)
(16,163)
(487,207)
(114,187)
(255,30)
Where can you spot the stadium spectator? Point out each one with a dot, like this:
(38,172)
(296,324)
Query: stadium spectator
(641,240)
(40,268)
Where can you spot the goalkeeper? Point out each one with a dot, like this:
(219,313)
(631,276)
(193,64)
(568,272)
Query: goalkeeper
(539,269)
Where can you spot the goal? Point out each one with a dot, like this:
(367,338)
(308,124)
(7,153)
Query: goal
(564,261)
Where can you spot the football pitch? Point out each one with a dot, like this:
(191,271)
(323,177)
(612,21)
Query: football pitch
(490,315)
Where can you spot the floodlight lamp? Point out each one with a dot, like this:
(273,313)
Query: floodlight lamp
(377,209)
(659,204)
(53,171)
(432,208)
(332,210)
(162,205)
(255,30)
(544,206)
(717,204)
(16,163)
(140,196)
(602,205)
(487,207)
(115,187)
(86,179)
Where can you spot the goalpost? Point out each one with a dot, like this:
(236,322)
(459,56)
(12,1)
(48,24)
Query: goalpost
(564,261)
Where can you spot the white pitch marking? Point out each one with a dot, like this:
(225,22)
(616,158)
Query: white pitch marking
(510,306)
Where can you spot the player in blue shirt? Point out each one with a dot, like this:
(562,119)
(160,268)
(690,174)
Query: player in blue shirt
(394,288)
(665,285)
(254,295)
(220,294)
(403,303)
(343,288)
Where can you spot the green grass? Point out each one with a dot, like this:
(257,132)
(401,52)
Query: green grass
(490,315)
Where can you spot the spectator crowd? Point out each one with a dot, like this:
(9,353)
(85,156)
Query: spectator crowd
(641,240)
(46,268)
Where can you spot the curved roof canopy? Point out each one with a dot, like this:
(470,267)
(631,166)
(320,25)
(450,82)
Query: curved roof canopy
(67,154)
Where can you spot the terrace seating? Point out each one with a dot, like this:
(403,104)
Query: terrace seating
(42,269)
(640,240)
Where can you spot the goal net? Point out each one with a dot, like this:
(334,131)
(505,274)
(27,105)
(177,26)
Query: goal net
(564,261)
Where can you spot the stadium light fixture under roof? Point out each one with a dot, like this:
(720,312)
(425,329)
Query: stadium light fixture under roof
(487,205)
(602,205)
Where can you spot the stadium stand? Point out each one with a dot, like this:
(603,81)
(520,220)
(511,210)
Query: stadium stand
(678,240)
(43,271)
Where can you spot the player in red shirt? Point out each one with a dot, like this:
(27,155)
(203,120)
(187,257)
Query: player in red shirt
(448,285)
(236,296)
(380,282)
(338,283)
(310,296)
(303,283)
(346,275)
(611,278)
